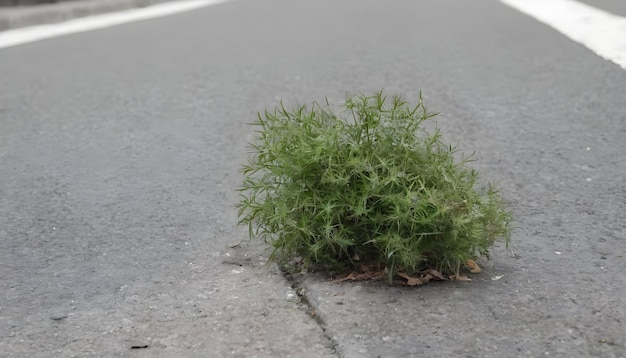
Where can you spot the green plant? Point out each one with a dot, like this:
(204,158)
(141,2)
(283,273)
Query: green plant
(366,185)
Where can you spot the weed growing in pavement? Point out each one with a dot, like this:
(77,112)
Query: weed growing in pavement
(367,185)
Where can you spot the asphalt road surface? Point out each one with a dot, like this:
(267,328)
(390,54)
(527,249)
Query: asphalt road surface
(119,157)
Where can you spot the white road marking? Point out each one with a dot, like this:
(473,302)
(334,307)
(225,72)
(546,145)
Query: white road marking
(602,32)
(36,33)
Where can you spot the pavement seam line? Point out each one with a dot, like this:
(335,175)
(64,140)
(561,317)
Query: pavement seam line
(298,287)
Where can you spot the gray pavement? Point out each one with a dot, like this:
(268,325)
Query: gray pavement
(119,154)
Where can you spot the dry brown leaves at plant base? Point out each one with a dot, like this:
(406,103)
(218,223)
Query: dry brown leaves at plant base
(459,278)
(367,273)
(473,266)
(422,278)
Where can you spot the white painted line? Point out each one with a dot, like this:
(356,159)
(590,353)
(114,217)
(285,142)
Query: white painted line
(35,33)
(602,32)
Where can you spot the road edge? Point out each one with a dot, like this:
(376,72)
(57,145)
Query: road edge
(33,15)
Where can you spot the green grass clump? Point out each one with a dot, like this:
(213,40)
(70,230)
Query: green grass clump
(368,185)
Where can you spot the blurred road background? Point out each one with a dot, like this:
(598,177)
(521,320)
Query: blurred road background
(119,157)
